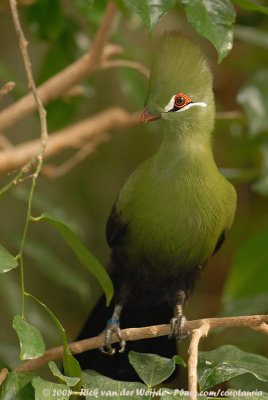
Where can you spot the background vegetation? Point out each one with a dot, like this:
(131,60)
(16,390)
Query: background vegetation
(60,32)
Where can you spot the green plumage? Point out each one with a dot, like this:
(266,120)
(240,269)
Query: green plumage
(176,204)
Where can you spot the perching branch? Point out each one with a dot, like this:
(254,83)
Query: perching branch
(130,334)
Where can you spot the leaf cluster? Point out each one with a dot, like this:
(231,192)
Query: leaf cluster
(214,368)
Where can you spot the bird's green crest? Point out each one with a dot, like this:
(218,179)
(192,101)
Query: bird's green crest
(178,66)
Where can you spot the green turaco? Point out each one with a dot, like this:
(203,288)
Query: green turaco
(174,211)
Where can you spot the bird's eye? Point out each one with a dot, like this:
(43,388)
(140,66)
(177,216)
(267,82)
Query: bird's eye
(178,102)
(181,100)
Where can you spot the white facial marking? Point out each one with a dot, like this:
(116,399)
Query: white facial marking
(170,105)
(191,105)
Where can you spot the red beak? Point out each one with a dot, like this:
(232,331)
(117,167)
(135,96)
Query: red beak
(147,117)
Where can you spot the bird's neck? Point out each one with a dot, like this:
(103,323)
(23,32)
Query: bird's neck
(185,145)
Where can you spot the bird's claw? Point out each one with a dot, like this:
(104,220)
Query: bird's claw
(112,327)
(176,326)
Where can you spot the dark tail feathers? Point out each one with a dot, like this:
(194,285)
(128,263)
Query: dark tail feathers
(118,366)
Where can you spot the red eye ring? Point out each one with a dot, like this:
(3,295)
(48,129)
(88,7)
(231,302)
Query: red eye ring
(181,100)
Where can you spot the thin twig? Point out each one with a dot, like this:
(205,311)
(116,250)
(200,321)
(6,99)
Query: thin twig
(193,358)
(44,136)
(54,172)
(18,177)
(132,334)
(126,63)
(74,135)
(7,88)
(28,68)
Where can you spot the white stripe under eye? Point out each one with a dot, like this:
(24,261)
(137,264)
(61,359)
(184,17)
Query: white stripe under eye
(191,105)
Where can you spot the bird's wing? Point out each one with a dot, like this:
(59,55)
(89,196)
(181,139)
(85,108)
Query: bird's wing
(115,227)
(220,241)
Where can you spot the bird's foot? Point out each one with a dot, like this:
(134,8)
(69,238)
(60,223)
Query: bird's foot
(176,326)
(113,326)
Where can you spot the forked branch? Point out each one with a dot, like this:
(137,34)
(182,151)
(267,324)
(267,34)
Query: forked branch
(197,334)
(131,334)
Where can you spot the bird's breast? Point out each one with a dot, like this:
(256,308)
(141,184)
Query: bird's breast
(175,219)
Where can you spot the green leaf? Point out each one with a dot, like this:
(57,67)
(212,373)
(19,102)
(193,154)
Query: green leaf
(249,273)
(214,20)
(17,386)
(251,35)
(251,6)
(31,341)
(151,11)
(7,261)
(104,388)
(83,254)
(69,380)
(253,97)
(257,304)
(88,375)
(227,362)
(178,360)
(247,382)
(71,365)
(151,368)
(45,390)
(54,269)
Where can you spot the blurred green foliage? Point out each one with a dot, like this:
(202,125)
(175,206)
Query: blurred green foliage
(59,32)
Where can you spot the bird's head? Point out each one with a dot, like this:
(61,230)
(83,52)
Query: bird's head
(180,87)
